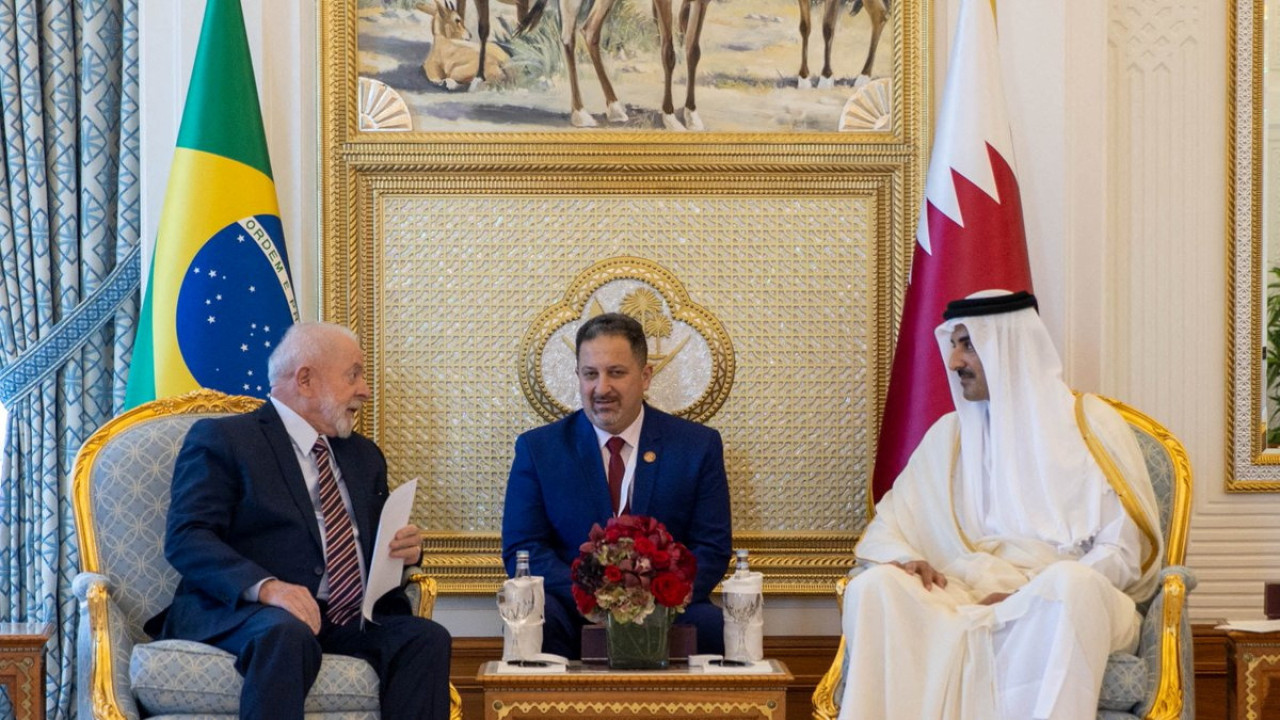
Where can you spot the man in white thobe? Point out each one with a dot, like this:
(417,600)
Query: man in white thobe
(1007,558)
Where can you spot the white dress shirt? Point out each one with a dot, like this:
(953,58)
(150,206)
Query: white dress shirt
(631,439)
(303,437)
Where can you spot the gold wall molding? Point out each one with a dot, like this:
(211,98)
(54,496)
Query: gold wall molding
(441,249)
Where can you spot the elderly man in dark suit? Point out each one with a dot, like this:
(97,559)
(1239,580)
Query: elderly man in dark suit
(617,455)
(271,527)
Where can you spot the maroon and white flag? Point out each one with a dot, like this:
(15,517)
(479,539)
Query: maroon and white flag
(970,235)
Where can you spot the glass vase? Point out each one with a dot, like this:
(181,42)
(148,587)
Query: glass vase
(639,646)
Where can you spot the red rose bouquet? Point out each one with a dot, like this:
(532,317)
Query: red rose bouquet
(629,566)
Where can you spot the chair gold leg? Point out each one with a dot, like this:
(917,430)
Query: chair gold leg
(455,703)
(825,703)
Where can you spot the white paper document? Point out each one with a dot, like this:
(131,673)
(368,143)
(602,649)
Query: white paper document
(1256,626)
(708,664)
(539,664)
(386,571)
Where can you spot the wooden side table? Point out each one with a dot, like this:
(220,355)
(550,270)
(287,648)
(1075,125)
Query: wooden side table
(22,666)
(680,693)
(1253,675)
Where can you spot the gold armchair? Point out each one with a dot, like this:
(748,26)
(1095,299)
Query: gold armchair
(120,495)
(1158,683)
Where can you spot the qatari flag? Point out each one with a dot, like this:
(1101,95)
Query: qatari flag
(970,235)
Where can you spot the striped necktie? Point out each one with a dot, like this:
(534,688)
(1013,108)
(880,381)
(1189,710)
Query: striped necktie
(345,583)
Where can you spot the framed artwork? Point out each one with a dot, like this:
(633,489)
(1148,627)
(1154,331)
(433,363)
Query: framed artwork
(470,224)
(1253,283)
(721,65)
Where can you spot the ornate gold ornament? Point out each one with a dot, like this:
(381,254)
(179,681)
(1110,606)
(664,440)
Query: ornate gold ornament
(382,108)
(869,108)
(689,349)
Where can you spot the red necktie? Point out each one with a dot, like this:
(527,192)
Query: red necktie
(345,584)
(616,470)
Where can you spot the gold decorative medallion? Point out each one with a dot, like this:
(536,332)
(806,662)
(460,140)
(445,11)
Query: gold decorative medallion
(691,354)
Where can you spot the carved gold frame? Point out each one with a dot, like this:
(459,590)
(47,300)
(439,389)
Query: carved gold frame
(358,168)
(1250,468)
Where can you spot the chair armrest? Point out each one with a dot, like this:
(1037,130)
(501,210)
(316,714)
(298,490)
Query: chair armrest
(1166,646)
(421,590)
(1187,574)
(103,647)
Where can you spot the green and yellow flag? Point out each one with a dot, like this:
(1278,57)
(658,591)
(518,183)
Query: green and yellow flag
(219,294)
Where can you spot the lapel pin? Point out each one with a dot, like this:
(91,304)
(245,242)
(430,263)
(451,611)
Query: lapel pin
(650,456)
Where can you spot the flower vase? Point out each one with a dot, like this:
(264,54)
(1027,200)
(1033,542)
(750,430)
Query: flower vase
(642,645)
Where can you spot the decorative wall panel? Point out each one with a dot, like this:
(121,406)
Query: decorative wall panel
(461,279)
(442,250)
(1172,117)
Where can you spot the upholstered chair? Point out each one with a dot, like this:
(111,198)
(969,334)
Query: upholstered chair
(1158,682)
(121,496)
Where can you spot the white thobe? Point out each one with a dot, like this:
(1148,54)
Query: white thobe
(1041,652)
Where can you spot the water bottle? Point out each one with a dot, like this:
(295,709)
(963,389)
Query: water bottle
(520,607)
(742,615)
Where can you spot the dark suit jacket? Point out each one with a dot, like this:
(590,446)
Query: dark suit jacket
(557,490)
(239,512)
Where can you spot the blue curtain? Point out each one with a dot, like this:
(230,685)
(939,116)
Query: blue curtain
(69,236)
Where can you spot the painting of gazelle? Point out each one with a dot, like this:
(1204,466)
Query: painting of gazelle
(659,65)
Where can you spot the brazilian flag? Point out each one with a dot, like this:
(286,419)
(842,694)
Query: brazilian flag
(219,293)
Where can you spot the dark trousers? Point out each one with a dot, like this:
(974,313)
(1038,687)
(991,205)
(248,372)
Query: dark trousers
(562,626)
(279,658)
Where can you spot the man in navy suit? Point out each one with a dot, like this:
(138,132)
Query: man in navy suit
(670,469)
(259,550)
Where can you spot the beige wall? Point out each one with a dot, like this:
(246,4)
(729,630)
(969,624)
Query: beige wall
(1135,240)
(1119,115)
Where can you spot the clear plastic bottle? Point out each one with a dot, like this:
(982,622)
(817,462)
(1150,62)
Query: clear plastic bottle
(522,564)
(743,566)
